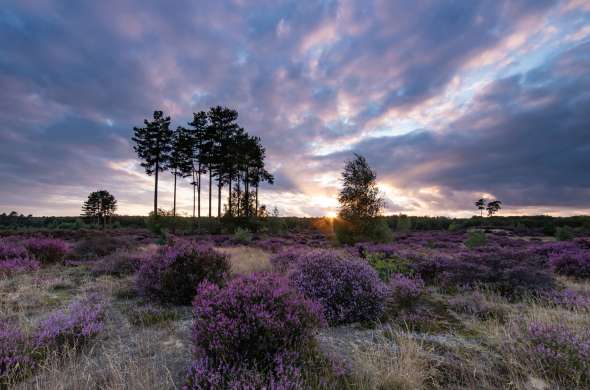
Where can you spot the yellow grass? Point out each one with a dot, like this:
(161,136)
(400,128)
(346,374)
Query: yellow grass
(246,260)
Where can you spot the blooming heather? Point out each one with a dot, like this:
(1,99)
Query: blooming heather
(252,319)
(348,288)
(572,262)
(405,289)
(73,326)
(12,266)
(14,361)
(174,272)
(12,250)
(561,350)
(47,250)
(283,260)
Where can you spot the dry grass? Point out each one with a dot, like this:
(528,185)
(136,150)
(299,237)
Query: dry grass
(246,260)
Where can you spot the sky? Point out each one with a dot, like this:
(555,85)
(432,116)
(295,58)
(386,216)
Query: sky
(449,101)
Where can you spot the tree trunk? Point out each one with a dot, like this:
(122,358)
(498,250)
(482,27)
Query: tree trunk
(239,195)
(247,194)
(210,185)
(199,192)
(231,212)
(174,203)
(156,191)
(256,209)
(219,197)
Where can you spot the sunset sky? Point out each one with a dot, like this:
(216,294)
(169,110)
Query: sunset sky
(448,100)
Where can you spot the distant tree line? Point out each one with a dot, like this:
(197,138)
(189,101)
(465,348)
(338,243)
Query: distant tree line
(212,144)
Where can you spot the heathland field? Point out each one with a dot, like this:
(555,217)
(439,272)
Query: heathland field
(127,308)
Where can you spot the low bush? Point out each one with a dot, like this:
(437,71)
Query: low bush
(74,326)
(285,259)
(12,250)
(367,230)
(388,265)
(564,233)
(120,263)
(404,289)
(242,236)
(348,288)
(475,239)
(252,320)
(174,272)
(47,250)
(98,246)
(573,262)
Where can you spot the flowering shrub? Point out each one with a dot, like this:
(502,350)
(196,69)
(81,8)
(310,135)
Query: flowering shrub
(206,374)
(574,263)
(98,246)
(82,320)
(12,266)
(12,250)
(568,298)
(561,351)
(348,289)
(119,263)
(405,289)
(14,361)
(175,271)
(282,261)
(47,250)
(252,319)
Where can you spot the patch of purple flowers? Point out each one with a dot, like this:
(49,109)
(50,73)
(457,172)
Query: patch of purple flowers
(569,298)
(572,262)
(12,266)
(12,250)
(561,350)
(14,361)
(47,250)
(73,326)
(174,272)
(405,289)
(282,261)
(349,289)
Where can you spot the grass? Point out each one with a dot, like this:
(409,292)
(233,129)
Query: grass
(246,260)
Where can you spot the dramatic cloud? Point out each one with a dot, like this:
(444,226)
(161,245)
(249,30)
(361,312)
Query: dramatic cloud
(448,100)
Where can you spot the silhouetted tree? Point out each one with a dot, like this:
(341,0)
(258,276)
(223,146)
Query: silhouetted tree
(152,145)
(198,134)
(100,204)
(359,196)
(493,207)
(180,161)
(481,206)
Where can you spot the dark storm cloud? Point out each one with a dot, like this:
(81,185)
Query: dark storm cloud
(76,77)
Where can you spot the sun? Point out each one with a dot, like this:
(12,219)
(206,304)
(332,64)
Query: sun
(331,214)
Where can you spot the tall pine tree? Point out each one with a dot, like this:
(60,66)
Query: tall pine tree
(153,147)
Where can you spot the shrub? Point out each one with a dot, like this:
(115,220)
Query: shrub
(348,289)
(568,298)
(242,236)
(344,232)
(120,263)
(573,262)
(369,230)
(47,250)
(563,233)
(14,361)
(387,266)
(252,319)
(561,351)
(78,323)
(98,246)
(475,239)
(175,271)
(282,261)
(12,266)
(405,289)
(12,250)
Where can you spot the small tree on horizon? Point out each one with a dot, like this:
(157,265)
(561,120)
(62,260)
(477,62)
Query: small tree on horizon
(100,204)
(493,207)
(359,197)
(152,145)
(481,206)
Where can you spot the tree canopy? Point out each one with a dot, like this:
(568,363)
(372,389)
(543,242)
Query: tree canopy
(359,197)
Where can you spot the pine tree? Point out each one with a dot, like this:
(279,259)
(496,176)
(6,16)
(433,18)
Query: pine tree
(180,161)
(100,204)
(198,134)
(152,145)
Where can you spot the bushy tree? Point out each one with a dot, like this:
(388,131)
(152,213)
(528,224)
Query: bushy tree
(359,197)
(481,206)
(153,147)
(493,207)
(100,205)
(180,161)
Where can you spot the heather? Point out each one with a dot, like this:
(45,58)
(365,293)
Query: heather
(47,250)
(571,262)
(14,359)
(173,273)
(405,289)
(348,288)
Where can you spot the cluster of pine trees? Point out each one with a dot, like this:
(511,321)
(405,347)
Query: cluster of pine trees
(212,145)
